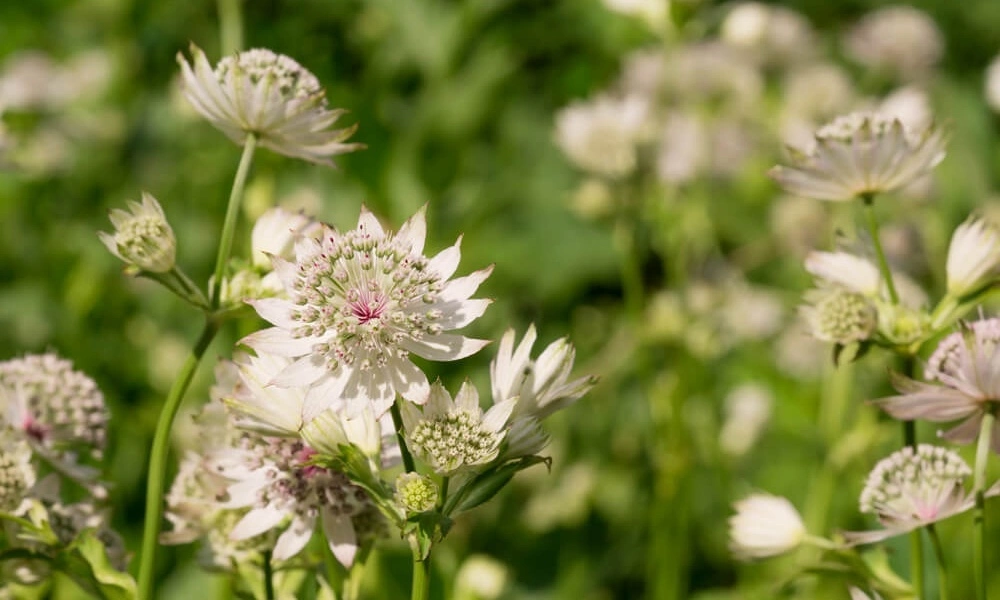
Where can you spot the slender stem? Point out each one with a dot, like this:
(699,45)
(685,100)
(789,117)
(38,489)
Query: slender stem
(443,496)
(979,517)
(189,286)
(883,264)
(158,459)
(268,575)
(397,421)
(230,26)
(421,577)
(356,574)
(910,433)
(942,569)
(232,212)
(916,538)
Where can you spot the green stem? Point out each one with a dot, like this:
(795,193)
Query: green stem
(230,26)
(268,575)
(397,421)
(443,497)
(979,517)
(883,264)
(916,539)
(189,286)
(421,577)
(158,459)
(942,569)
(232,212)
(356,574)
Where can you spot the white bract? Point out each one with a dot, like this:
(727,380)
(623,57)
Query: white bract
(763,526)
(142,237)
(359,303)
(270,96)
(912,488)
(973,256)
(860,155)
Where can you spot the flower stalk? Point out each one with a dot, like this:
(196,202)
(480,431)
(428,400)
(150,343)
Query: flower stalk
(232,213)
(979,517)
(941,564)
(883,264)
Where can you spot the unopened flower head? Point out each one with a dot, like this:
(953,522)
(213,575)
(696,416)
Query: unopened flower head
(899,39)
(17,474)
(416,493)
(964,383)
(455,435)
(839,316)
(270,96)
(142,237)
(764,525)
(912,488)
(53,405)
(541,386)
(602,136)
(860,155)
(275,479)
(973,257)
(360,303)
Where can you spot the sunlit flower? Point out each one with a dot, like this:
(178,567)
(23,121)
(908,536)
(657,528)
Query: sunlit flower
(963,377)
(270,96)
(763,526)
(900,39)
(911,489)
(360,303)
(455,435)
(274,479)
(541,386)
(142,237)
(860,155)
(601,136)
(973,256)
(778,34)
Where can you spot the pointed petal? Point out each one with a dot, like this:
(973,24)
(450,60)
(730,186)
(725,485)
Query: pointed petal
(413,233)
(275,340)
(444,346)
(409,381)
(294,539)
(275,311)
(341,537)
(256,522)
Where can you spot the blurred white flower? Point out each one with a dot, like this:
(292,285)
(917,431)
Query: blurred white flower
(653,12)
(453,436)
(541,386)
(838,315)
(714,73)
(911,105)
(859,155)
(778,34)
(275,234)
(750,312)
(27,79)
(992,84)
(360,303)
(763,526)
(964,383)
(911,489)
(480,578)
(601,136)
(683,149)
(973,256)
(270,96)
(747,410)
(643,74)
(900,39)
(17,475)
(142,237)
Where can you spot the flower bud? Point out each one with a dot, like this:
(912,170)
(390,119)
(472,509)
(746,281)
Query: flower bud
(765,525)
(142,237)
(416,493)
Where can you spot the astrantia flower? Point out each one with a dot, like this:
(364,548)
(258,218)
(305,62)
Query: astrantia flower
(274,479)
(416,493)
(913,488)
(270,96)
(142,236)
(858,155)
(541,385)
(601,136)
(973,256)
(455,435)
(964,383)
(360,303)
(764,525)
(839,315)
(54,406)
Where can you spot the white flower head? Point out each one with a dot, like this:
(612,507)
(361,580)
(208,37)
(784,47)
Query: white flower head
(839,315)
(778,34)
(963,377)
(455,435)
(602,136)
(142,237)
(973,256)
(283,490)
(270,96)
(912,488)
(860,155)
(748,408)
(275,234)
(541,386)
(900,39)
(360,303)
(763,526)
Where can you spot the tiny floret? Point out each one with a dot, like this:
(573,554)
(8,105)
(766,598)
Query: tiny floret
(142,237)
(860,155)
(416,493)
(270,96)
(763,526)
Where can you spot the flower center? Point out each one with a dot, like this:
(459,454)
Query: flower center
(366,305)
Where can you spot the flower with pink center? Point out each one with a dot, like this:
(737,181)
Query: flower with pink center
(912,488)
(359,303)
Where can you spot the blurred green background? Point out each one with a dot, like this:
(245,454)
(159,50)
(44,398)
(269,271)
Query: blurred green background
(457,103)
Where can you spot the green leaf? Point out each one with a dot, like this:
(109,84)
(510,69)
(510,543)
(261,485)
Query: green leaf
(86,562)
(486,485)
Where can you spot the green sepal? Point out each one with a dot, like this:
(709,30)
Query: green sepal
(91,569)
